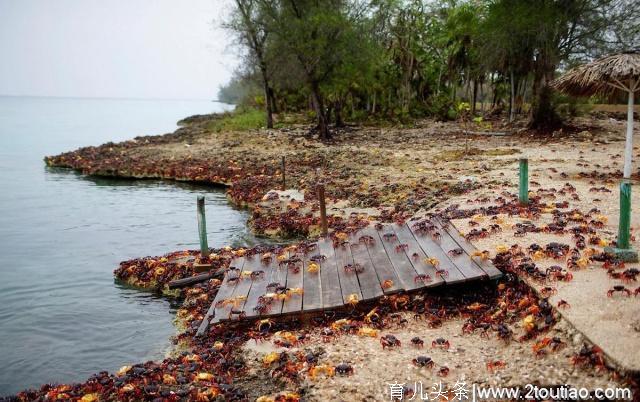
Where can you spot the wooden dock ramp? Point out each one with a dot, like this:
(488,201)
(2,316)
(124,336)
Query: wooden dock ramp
(370,263)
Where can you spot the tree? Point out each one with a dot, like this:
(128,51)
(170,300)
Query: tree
(400,58)
(248,23)
(320,36)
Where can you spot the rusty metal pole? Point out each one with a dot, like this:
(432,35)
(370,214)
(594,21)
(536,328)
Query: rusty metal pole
(284,177)
(323,210)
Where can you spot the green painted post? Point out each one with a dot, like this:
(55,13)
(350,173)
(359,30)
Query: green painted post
(625,216)
(202,228)
(623,251)
(524,181)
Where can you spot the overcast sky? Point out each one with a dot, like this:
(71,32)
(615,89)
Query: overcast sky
(114,48)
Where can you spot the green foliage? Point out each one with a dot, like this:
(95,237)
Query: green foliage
(239,90)
(370,60)
(442,108)
(239,120)
(570,106)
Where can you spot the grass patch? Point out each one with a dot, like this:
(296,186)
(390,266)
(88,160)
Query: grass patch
(501,151)
(459,154)
(240,120)
(456,154)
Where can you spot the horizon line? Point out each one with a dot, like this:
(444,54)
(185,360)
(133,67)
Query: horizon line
(106,97)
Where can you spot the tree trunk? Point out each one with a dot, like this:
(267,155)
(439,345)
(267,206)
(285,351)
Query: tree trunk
(267,96)
(439,81)
(272,94)
(543,114)
(512,96)
(267,103)
(453,92)
(321,113)
(475,97)
(373,107)
(337,107)
(495,92)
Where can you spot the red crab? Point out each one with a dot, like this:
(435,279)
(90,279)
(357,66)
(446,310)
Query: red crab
(390,341)
(618,289)
(440,343)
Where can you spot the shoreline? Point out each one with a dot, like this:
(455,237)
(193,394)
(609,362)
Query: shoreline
(380,181)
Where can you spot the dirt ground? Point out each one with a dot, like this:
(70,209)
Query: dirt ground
(467,358)
(586,161)
(389,174)
(612,323)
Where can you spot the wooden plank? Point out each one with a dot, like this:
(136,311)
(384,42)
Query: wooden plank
(278,275)
(463,261)
(368,279)
(241,289)
(331,290)
(486,265)
(225,291)
(312,299)
(382,263)
(294,280)
(191,280)
(433,250)
(405,236)
(349,284)
(259,287)
(399,259)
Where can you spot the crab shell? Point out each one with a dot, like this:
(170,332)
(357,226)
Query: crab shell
(343,369)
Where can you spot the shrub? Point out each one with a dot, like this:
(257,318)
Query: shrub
(441,108)
(239,120)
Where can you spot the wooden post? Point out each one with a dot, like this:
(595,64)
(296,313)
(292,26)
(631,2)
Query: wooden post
(628,147)
(524,182)
(625,216)
(284,177)
(202,228)
(323,210)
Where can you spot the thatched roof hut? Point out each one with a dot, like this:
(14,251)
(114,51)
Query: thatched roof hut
(603,76)
(618,72)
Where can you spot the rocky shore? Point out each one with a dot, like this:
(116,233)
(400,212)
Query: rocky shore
(509,334)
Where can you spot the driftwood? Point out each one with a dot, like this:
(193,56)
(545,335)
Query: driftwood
(184,282)
(490,133)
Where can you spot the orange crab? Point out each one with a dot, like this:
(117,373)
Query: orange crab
(270,358)
(494,365)
(352,299)
(483,255)
(476,306)
(372,316)
(295,291)
(313,268)
(502,248)
(205,376)
(366,331)
(314,371)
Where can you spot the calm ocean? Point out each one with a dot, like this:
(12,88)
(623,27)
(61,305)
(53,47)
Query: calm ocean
(62,317)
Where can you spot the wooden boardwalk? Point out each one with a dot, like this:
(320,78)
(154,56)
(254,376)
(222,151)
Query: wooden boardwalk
(416,255)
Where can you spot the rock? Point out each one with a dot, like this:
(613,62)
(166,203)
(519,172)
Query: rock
(577,339)
(584,135)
